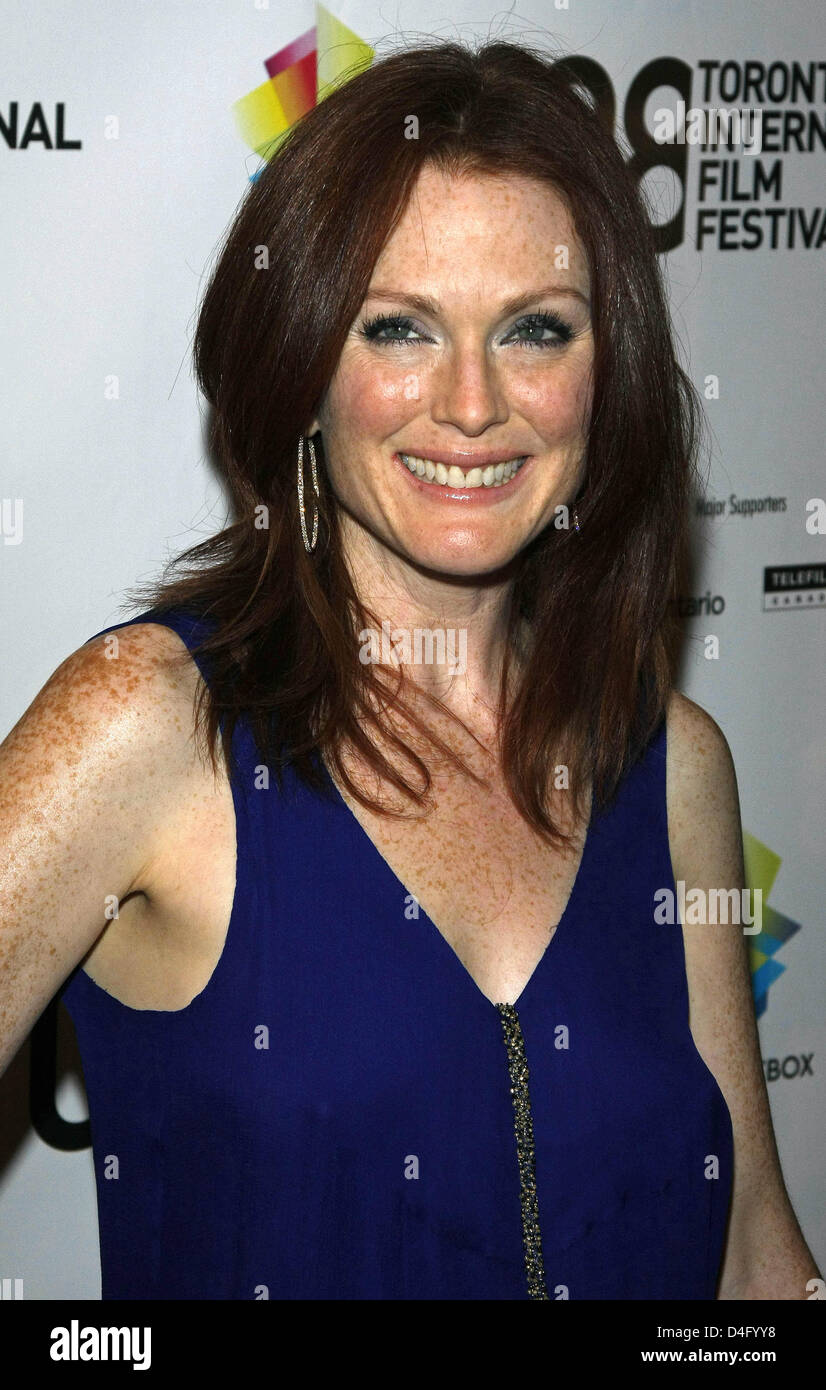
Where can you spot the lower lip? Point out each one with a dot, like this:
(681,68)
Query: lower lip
(481,496)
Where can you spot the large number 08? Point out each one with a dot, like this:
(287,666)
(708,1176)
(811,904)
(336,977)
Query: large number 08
(647,153)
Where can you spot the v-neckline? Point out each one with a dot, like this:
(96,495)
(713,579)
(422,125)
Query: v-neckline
(388,869)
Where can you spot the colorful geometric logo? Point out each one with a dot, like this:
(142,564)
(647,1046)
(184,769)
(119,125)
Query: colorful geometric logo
(761,870)
(299,76)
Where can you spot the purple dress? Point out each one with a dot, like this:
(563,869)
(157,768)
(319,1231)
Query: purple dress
(342,1114)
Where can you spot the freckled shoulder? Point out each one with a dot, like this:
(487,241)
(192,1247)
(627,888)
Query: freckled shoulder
(153,672)
(91,776)
(135,685)
(703,804)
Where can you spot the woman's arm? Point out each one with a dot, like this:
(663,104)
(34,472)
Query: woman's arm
(765,1255)
(89,778)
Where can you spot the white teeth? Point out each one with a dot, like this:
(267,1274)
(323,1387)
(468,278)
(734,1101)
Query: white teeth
(492,476)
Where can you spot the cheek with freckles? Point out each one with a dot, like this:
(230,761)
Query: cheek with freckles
(378,397)
(557,408)
(371,403)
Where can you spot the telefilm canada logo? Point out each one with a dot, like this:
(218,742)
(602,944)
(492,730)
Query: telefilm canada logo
(793,588)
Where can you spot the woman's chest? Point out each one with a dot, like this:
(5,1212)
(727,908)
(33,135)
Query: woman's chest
(490,884)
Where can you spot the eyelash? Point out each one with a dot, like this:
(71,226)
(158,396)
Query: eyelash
(371,329)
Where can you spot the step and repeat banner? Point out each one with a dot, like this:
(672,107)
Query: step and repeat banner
(128,136)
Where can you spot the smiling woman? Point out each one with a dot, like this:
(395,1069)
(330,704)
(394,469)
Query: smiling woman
(384,1010)
(496,400)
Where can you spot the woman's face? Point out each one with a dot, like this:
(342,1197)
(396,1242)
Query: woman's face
(471,378)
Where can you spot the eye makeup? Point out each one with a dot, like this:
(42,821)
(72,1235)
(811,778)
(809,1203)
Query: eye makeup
(373,329)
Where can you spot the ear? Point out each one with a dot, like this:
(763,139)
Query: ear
(315,426)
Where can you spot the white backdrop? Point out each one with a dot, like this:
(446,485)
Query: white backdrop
(103,253)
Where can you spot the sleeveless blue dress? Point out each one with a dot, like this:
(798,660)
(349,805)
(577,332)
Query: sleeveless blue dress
(341,1113)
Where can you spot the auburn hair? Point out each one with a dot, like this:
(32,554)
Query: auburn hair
(289,279)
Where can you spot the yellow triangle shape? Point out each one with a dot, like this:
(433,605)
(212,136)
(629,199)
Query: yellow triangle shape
(340,53)
(260,117)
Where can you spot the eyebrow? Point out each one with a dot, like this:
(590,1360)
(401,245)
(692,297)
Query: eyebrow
(426,305)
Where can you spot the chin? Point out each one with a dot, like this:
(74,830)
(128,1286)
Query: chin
(465,563)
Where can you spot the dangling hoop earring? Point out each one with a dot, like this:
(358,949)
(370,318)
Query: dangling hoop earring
(308,544)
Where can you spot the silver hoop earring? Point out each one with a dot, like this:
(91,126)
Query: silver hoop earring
(308,544)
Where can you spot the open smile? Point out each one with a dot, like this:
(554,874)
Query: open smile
(487,484)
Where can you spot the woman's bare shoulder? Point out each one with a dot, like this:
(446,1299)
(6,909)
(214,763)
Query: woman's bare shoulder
(137,683)
(124,690)
(693,735)
(703,802)
(92,776)
(146,661)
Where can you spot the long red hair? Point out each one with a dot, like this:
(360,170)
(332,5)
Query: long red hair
(598,603)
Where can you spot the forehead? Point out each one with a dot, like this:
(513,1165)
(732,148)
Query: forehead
(507,222)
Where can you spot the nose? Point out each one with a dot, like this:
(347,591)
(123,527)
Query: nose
(467,390)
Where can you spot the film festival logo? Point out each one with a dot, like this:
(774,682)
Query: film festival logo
(299,76)
(749,115)
(740,117)
(735,125)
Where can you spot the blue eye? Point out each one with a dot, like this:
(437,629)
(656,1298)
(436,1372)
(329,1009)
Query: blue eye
(375,330)
(541,323)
